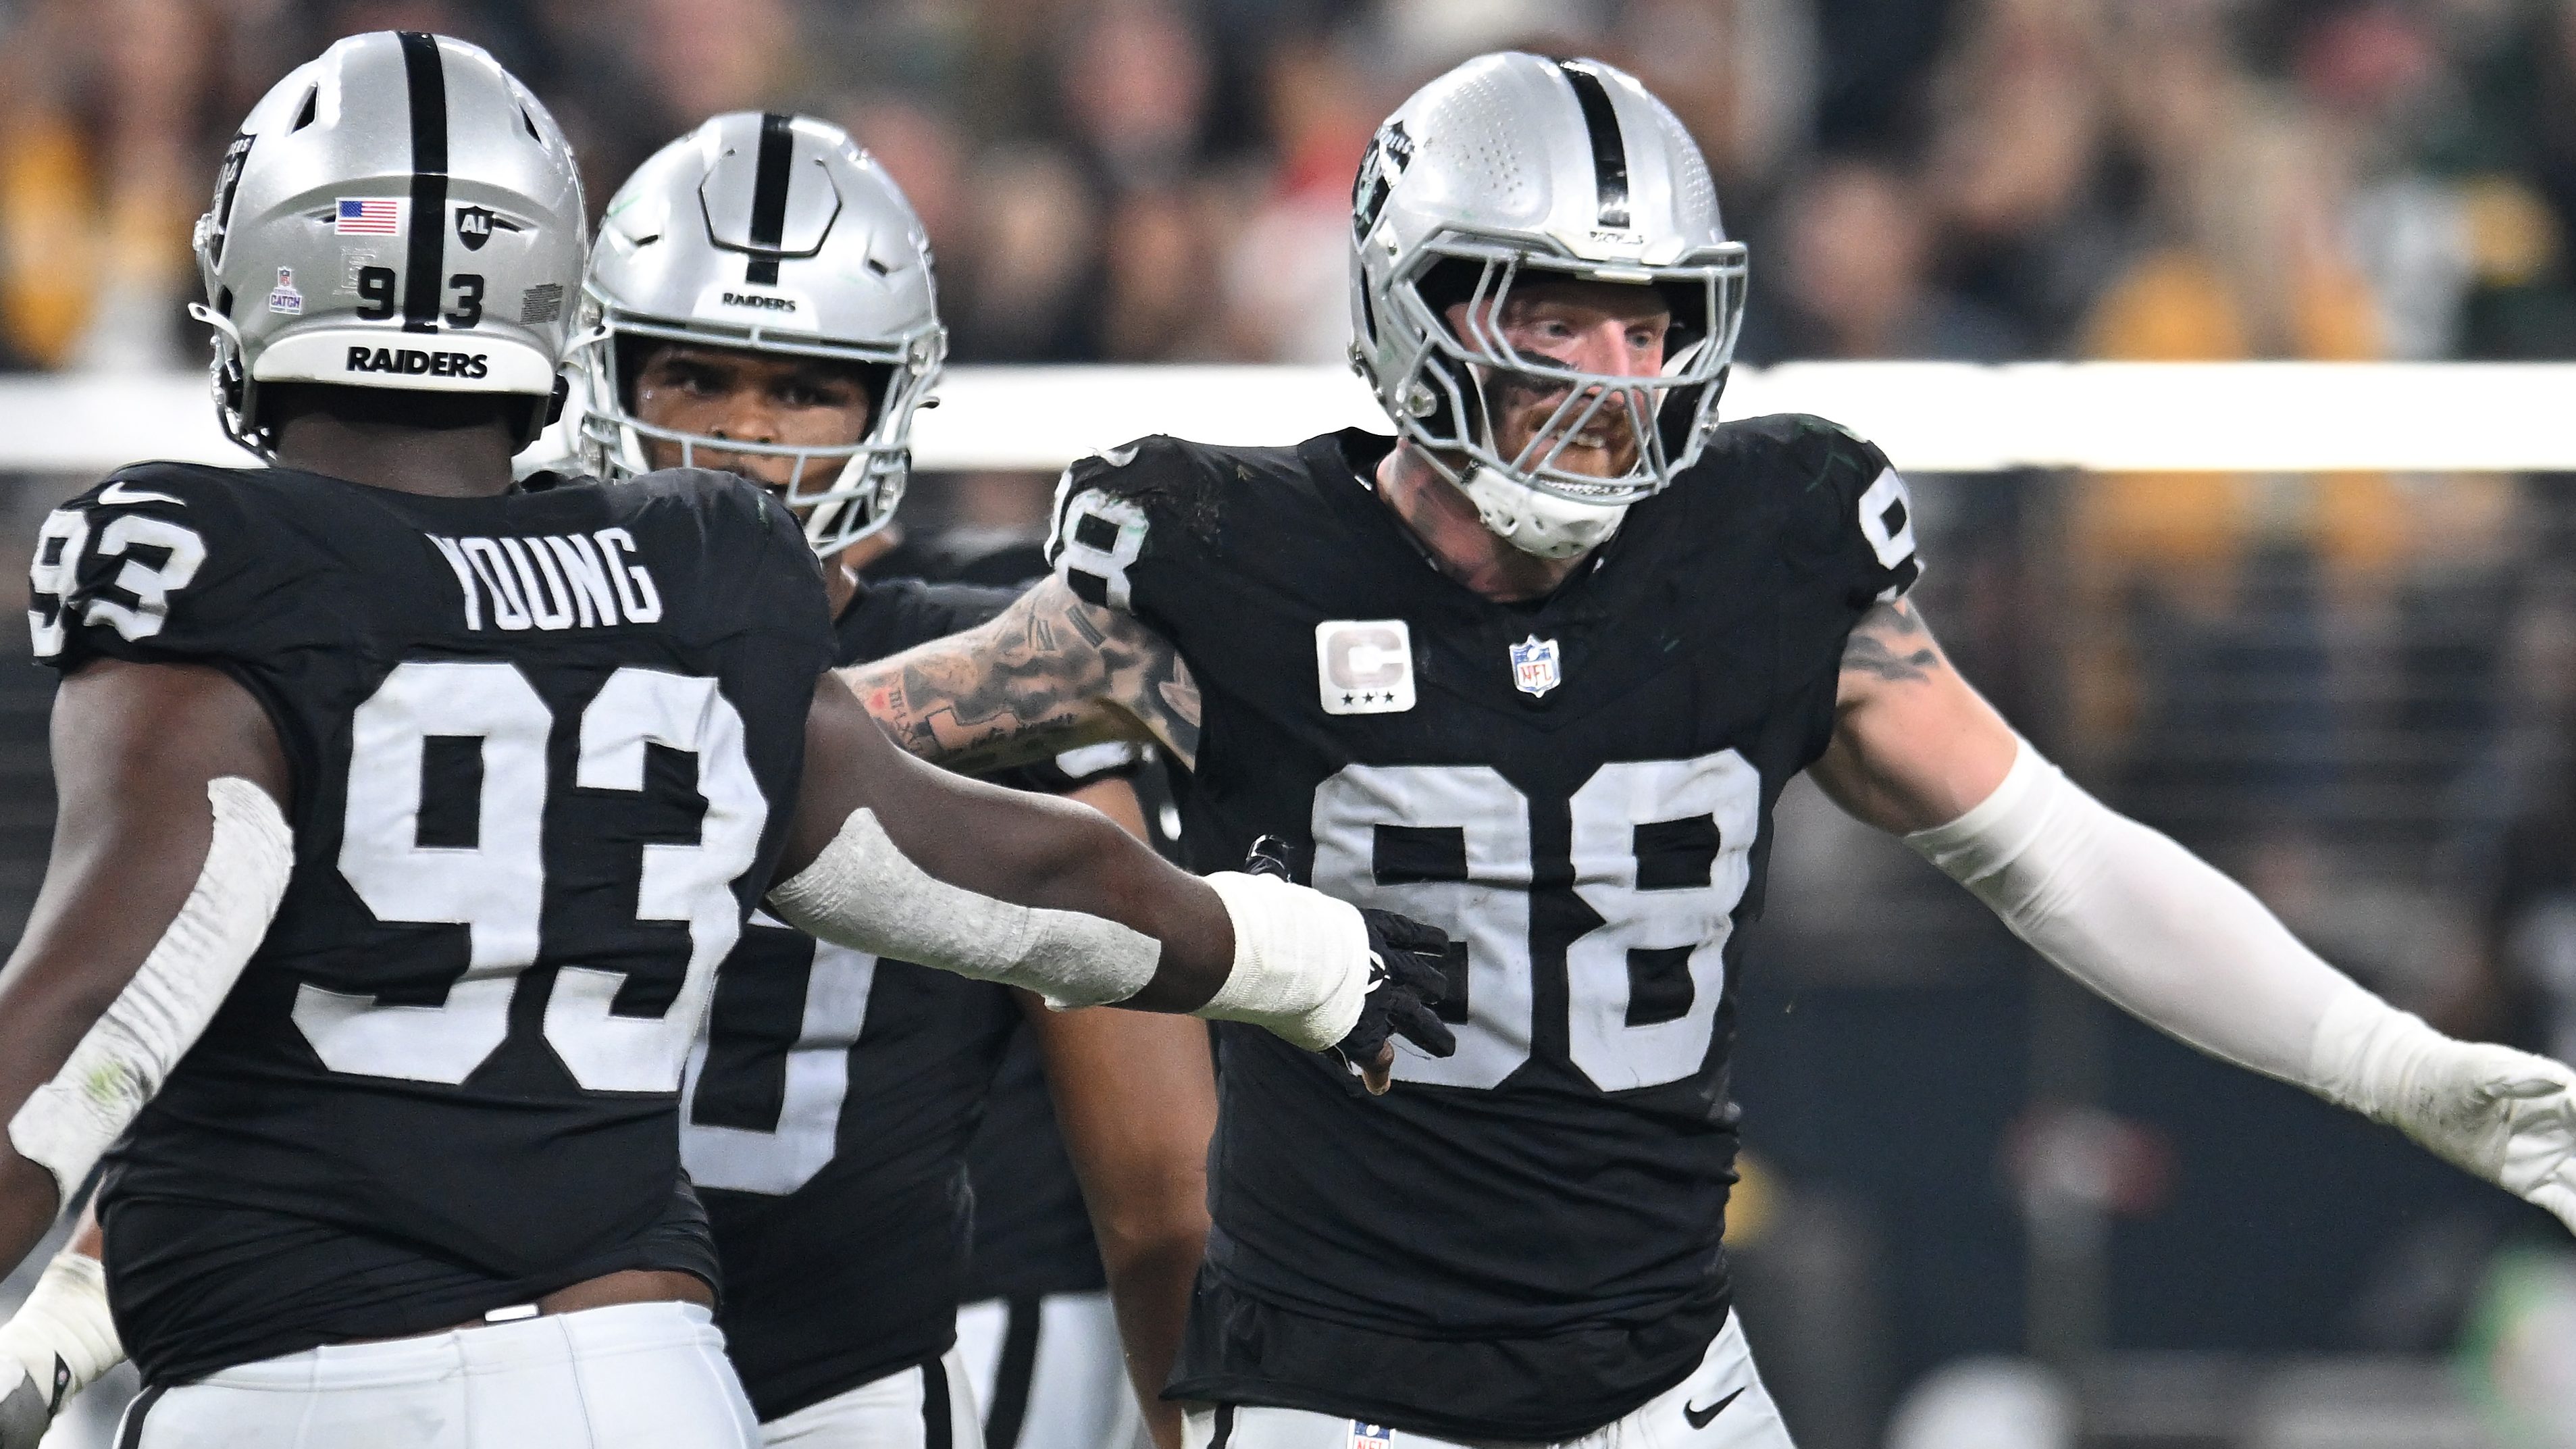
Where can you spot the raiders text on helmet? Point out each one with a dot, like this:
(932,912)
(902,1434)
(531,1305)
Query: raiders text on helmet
(775,234)
(1512,169)
(399,212)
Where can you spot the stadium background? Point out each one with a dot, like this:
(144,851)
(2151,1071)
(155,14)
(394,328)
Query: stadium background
(1977,1197)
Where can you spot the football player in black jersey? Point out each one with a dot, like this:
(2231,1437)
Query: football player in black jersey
(406,812)
(827,1112)
(1536,669)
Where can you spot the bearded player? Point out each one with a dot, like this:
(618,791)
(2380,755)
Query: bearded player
(406,812)
(827,1111)
(1536,670)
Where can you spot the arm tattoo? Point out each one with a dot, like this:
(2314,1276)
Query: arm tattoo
(1047,674)
(1891,643)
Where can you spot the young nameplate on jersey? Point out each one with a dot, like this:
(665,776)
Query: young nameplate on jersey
(827,1108)
(406,812)
(1536,670)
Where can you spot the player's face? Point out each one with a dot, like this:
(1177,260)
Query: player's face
(750,397)
(1597,327)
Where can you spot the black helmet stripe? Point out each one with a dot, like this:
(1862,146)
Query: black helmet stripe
(1609,150)
(425,253)
(769,197)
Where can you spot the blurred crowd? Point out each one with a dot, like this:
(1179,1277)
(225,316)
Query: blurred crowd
(1142,180)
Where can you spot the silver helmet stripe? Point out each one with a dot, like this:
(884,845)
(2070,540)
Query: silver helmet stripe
(769,197)
(425,253)
(1609,149)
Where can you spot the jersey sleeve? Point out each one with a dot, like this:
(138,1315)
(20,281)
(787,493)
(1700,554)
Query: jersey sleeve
(1858,515)
(1117,512)
(157,564)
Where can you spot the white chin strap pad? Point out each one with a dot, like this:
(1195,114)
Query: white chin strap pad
(1540,524)
(1301,960)
(126,1055)
(865,893)
(2146,923)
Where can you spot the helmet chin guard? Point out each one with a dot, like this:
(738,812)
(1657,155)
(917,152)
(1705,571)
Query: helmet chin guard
(1514,171)
(1537,523)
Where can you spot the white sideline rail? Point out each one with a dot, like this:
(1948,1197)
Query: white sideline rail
(1930,416)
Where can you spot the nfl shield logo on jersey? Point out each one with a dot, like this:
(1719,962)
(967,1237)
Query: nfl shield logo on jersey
(1534,667)
(1371,1436)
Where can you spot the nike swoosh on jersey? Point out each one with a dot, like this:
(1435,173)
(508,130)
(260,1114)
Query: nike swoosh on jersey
(1699,1417)
(122,492)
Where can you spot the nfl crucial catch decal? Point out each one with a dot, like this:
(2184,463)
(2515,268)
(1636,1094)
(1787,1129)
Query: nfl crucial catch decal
(286,299)
(1534,666)
(1364,666)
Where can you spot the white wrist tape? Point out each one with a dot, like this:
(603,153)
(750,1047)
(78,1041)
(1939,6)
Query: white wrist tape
(1301,960)
(2144,922)
(865,893)
(63,1333)
(68,1122)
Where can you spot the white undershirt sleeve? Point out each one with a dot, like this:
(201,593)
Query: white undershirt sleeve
(2149,925)
(2144,922)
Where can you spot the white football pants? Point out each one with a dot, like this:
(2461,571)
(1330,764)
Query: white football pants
(1050,1372)
(631,1376)
(1722,1405)
(916,1408)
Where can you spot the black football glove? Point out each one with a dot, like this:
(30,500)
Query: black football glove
(1406,979)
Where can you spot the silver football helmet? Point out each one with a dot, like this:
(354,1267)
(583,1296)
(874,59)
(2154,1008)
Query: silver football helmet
(774,234)
(1510,169)
(399,212)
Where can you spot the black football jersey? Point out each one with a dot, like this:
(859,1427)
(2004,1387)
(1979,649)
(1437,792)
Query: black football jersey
(544,746)
(1032,1232)
(828,1112)
(1522,1241)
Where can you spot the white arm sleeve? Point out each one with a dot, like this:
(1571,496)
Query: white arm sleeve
(2158,931)
(2147,924)
(123,1059)
(865,893)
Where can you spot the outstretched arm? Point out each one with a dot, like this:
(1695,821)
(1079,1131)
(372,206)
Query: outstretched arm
(2158,931)
(891,855)
(169,856)
(1043,676)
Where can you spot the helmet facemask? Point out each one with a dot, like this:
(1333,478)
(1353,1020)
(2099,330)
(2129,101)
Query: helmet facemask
(1457,370)
(1508,170)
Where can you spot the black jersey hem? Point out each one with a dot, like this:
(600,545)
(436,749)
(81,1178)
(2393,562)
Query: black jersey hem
(810,1390)
(422,1317)
(1237,1349)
